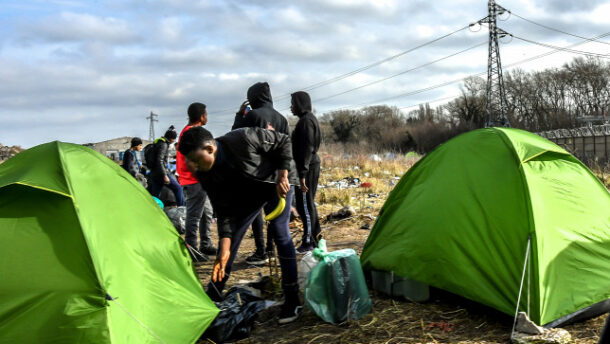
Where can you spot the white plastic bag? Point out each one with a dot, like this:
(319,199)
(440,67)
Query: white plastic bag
(307,263)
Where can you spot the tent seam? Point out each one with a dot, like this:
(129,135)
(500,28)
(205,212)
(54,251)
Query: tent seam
(39,188)
(66,174)
(528,207)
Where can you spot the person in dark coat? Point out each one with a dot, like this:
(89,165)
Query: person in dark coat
(160,175)
(131,164)
(263,115)
(260,114)
(243,171)
(306,139)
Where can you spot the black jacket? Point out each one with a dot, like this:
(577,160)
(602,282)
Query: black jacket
(130,162)
(306,136)
(262,113)
(243,177)
(158,167)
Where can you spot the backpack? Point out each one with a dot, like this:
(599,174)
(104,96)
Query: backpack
(149,155)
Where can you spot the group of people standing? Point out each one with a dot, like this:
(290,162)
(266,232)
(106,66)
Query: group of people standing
(243,173)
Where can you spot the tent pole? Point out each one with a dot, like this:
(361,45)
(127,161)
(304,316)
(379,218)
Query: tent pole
(525,263)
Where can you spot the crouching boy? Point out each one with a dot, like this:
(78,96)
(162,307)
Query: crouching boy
(243,171)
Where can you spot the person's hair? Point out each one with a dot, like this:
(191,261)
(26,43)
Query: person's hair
(136,141)
(195,111)
(171,134)
(196,137)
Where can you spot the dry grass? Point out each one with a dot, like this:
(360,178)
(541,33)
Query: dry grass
(444,319)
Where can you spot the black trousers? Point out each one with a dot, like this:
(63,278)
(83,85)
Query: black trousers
(306,206)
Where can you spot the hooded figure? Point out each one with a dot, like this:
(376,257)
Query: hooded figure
(262,115)
(306,139)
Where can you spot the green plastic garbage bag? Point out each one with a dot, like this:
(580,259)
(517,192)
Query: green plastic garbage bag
(335,289)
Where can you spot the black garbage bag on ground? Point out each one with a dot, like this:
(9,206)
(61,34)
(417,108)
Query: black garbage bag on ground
(237,314)
(178,217)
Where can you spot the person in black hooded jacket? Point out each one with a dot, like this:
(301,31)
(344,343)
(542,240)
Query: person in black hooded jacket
(306,139)
(262,115)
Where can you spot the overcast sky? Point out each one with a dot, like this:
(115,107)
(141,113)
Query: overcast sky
(86,71)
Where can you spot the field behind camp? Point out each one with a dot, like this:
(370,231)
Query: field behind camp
(364,182)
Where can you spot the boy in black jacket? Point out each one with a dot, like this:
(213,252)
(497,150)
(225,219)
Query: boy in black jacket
(159,170)
(306,139)
(243,171)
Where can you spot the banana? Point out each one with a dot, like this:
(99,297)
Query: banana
(277,211)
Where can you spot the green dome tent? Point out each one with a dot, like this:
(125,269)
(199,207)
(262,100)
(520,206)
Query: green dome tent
(86,256)
(463,218)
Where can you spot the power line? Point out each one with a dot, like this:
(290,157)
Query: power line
(586,53)
(558,49)
(401,73)
(361,69)
(557,30)
(397,74)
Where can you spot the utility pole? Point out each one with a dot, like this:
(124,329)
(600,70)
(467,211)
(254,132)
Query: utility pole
(151,128)
(497,108)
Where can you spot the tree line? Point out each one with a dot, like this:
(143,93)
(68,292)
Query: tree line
(537,101)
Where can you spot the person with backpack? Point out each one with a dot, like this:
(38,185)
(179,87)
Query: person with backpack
(243,171)
(199,212)
(306,139)
(157,161)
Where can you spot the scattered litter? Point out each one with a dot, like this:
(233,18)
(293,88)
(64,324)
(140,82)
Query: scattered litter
(366,185)
(347,182)
(373,195)
(342,213)
(366,226)
(367,174)
(375,157)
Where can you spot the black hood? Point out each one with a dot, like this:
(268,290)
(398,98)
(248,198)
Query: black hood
(301,102)
(259,94)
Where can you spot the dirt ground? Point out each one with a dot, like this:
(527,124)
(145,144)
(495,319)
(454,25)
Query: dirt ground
(445,318)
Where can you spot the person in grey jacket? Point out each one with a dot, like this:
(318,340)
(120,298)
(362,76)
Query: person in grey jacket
(131,164)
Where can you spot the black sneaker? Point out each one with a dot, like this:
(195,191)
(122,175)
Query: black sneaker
(289,313)
(257,259)
(209,250)
(304,248)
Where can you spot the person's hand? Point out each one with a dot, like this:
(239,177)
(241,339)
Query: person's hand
(283,186)
(304,187)
(242,108)
(224,252)
(166,179)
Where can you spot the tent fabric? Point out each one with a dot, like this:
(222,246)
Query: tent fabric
(461,217)
(89,257)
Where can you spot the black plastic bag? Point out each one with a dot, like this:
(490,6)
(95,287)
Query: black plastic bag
(177,215)
(237,314)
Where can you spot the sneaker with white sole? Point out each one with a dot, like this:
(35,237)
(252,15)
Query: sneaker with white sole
(289,313)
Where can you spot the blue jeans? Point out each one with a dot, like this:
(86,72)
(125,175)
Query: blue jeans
(279,228)
(157,184)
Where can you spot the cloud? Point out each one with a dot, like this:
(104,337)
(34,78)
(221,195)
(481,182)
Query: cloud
(78,27)
(94,71)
